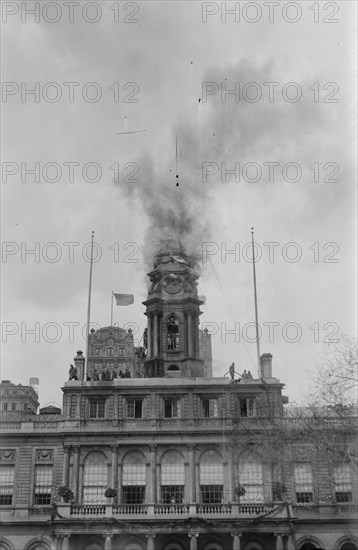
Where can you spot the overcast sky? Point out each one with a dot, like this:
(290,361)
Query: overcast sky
(294,106)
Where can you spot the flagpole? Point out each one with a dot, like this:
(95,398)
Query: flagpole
(112,308)
(89,306)
(256,314)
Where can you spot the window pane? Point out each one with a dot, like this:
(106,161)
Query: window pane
(343,483)
(94,483)
(172,494)
(172,474)
(134,474)
(303,477)
(211,474)
(210,408)
(212,494)
(6,484)
(251,477)
(97,408)
(133,494)
(43,484)
(172,408)
(303,482)
(134,408)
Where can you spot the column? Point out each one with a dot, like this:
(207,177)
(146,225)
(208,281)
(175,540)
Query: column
(150,542)
(155,343)
(236,542)
(193,540)
(192,491)
(152,475)
(230,461)
(197,481)
(66,461)
(114,476)
(75,472)
(290,543)
(107,542)
(66,542)
(158,478)
(119,482)
(279,541)
(190,335)
(149,337)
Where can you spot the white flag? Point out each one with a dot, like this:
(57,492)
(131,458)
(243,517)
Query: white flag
(123,299)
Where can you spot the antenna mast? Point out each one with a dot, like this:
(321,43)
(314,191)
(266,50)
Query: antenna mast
(89,307)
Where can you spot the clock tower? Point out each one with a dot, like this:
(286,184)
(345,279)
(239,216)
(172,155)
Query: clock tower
(172,309)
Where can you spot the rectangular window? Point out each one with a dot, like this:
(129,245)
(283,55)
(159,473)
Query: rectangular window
(97,408)
(110,352)
(134,482)
(247,407)
(342,483)
(303,482)
(210,408)
(6,484)
(43,484)
(172,408)
(98,351)
(134,408)
(251,478)
(121,351)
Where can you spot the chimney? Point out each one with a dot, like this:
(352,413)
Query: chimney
(266,365)
(79,361)
(34,383)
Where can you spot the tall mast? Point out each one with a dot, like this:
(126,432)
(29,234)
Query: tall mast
(112,308)
(256,313)
(176,160)
(89,307)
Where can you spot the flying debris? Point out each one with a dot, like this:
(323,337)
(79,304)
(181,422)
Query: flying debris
(132,132)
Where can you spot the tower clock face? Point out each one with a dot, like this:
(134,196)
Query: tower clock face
(172,284)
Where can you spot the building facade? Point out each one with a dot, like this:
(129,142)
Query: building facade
(171,457)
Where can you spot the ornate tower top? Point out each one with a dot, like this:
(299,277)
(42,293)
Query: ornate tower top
(173,314)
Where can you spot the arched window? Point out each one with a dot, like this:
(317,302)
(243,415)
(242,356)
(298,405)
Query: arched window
(95,478)
(211,473)
(349,546)
(251,478)
(134,478)
(173,333)
(172,478)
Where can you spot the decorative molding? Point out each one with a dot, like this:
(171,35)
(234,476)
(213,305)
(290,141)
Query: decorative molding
(8,454)
(44,454)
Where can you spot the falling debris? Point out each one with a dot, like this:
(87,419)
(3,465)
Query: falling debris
(132,132)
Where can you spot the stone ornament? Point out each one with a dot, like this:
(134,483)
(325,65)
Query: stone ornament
(8,454)
(44,454)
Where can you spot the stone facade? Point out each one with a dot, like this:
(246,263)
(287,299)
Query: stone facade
(173,458)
